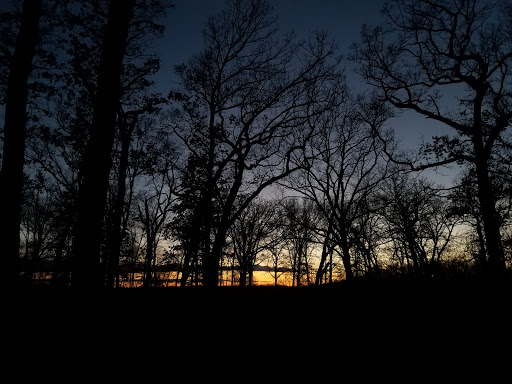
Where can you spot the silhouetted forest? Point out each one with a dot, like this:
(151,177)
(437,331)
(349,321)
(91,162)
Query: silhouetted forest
(260,166)
(261,159)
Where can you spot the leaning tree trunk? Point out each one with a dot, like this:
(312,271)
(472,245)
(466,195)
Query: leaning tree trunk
(11,175)
(97,161)
(349,274)
(325,250)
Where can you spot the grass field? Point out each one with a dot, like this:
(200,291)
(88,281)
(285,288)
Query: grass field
(359,332)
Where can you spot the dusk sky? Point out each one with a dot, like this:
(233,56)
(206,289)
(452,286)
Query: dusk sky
(342,19)
(150,186)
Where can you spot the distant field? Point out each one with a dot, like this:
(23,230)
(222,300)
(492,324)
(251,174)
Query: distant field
(406,332)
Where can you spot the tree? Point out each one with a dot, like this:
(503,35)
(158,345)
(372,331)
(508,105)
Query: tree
(419,221)
(37,226)
(300,231)
(190,225)
(13,158)
(467,207)
(97,161)
(449,62)
(63,107)
(278,266)
(156,198)
(340,169)
(251,234)
(248,103)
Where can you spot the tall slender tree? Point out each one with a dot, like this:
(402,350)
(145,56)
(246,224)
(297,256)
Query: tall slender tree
(11,174)
(97,161)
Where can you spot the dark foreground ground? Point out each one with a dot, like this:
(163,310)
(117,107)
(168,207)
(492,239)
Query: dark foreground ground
(360,332)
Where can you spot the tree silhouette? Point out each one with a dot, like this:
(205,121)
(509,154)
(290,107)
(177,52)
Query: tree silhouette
(300,222)
(190,226)
(248,104)
(419,221)
(252,234)
(155,202)
(430,49)
(13,158)
(97,161)
(341,167)
(120,183)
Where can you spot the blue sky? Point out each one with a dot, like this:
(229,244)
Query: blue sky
(341,18)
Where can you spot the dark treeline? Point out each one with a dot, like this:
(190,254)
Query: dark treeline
(261,159)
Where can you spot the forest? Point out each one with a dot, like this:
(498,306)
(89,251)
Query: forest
(261,161)
(261,165)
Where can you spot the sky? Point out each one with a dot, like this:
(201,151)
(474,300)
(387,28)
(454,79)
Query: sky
(342,19)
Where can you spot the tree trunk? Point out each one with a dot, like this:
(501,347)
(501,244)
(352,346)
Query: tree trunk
(148,262)
(58,278)
(331,251)
(211,279)
(299,266)
(349,275)
(185,270)
(97,159)
(13,158)
(243,276)
(490,221)
(232,270)
(481,258)
(306,265)
(325,250)
(117,230)
(251,275)
(208,279)
(486,198)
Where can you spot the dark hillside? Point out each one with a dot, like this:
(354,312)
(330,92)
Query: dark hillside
(410,332)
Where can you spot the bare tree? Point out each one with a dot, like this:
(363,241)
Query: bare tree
(419,222)
(156,192)
(153,212)
(449,62)
(37,226)
(276,259)
(66,78)
(300,237)
(370,237)
(251,234)
(340,168)
(248,103)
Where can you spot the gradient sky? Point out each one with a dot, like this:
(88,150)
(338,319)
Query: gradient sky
(342,19)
